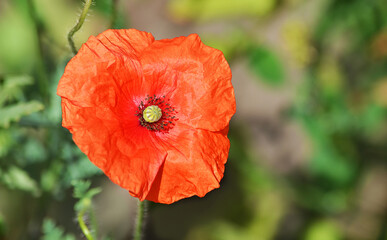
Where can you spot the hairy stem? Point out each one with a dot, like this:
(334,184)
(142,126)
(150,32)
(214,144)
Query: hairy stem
(139,225)
(93,222)
(78,26)
(83,225)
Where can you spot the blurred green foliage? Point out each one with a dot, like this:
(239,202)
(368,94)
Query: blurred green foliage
(336,106)
(11,91)
(84,207)
(37,156)
(340,106)
(83,192)
(52,232)
(267,65)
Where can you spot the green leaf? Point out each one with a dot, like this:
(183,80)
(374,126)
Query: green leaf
(321,166)
(52,232)
(81,169)
(16,111)
(16,178)
(92,192)
(12,88)
(266,65)
(81,191)
(78,165)
(325,155)
(80,188)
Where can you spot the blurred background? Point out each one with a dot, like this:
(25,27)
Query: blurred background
(308,157)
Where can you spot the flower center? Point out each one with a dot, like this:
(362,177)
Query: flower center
(155,113)
(152,114)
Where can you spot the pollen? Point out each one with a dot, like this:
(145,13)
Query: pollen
(152,114)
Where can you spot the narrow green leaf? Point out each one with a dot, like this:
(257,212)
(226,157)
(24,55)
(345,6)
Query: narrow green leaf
(16,111)
(12,88)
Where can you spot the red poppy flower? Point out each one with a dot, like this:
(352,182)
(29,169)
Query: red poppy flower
(152,114)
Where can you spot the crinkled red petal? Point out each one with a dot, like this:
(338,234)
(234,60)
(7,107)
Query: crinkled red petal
(102,88)
(203,84)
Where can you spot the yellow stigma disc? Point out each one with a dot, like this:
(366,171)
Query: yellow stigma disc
(152,114)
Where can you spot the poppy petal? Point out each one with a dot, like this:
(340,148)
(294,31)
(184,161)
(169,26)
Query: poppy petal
(97,99)
(203,88)
(90,72)
(194,164)
(127,155)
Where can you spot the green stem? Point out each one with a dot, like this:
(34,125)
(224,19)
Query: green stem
(138,229)
(78,26)
(83,225)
